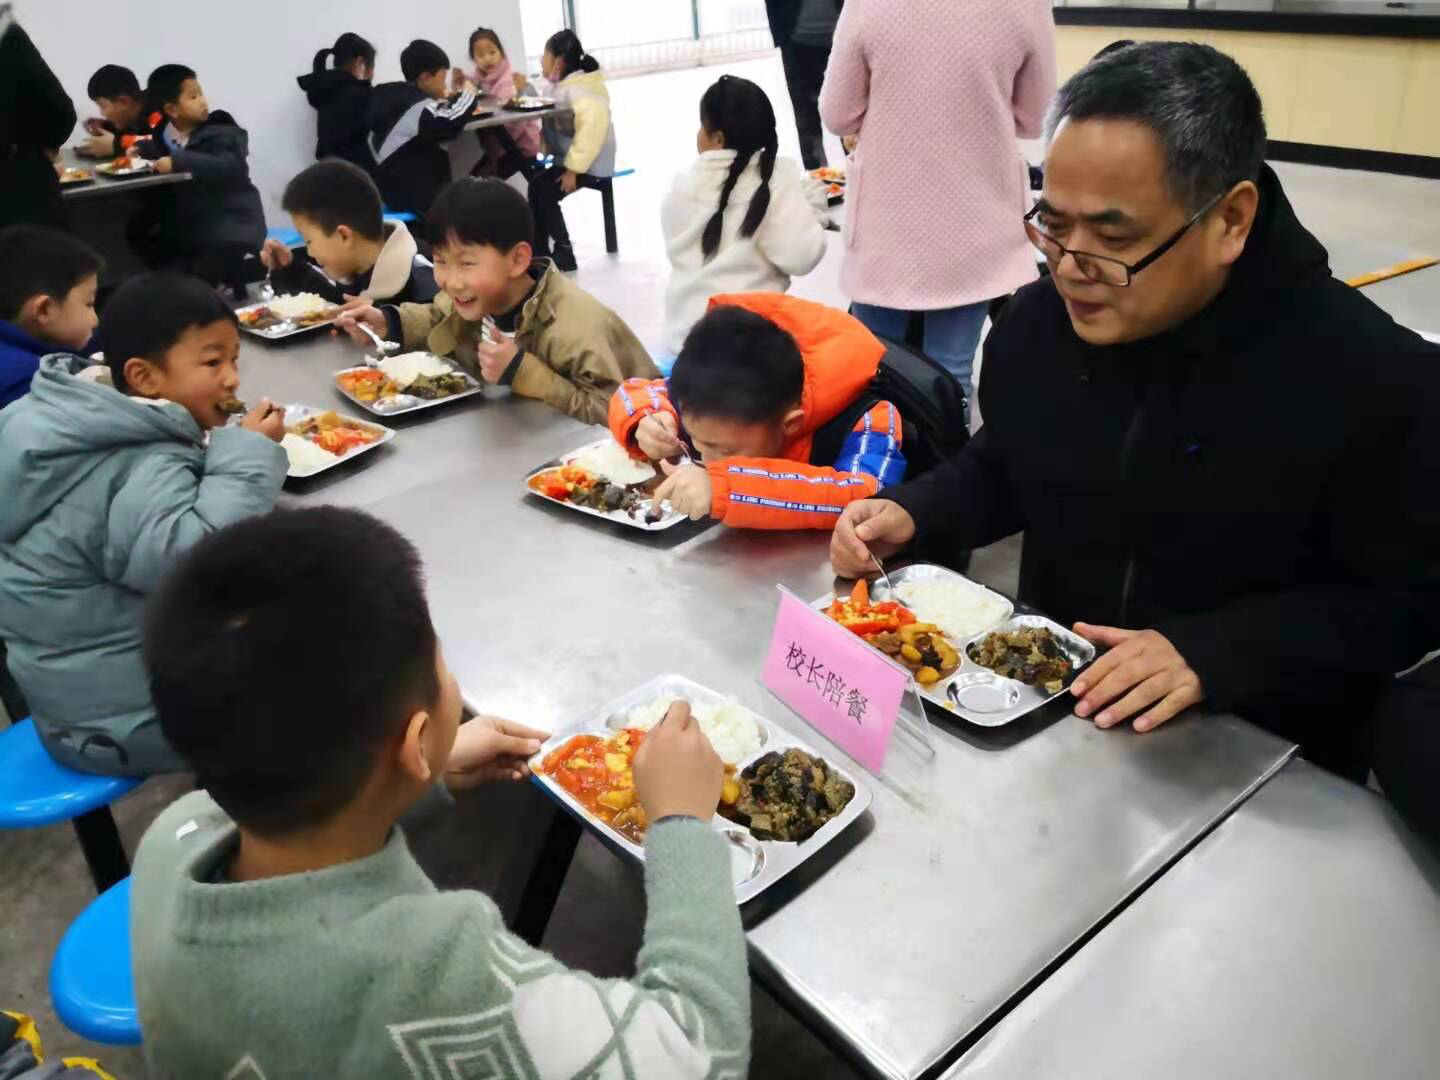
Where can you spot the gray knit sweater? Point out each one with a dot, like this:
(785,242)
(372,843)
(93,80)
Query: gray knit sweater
(366,970)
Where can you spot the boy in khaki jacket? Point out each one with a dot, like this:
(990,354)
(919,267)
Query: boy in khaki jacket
(557,342)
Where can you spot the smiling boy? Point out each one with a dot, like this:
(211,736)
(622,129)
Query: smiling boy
(557,343)
(104,487)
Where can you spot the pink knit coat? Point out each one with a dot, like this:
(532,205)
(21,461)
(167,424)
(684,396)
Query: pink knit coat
(938,91)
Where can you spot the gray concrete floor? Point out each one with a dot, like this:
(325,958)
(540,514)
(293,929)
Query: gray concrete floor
(1367,220)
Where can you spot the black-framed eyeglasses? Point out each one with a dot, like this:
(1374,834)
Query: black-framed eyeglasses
(1103,268)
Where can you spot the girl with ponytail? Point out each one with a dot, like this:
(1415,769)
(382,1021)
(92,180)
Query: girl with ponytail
(338,88)
(581,138)
(741,219)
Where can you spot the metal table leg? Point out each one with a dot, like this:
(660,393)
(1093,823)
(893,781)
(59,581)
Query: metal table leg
(104,853)
(547,877)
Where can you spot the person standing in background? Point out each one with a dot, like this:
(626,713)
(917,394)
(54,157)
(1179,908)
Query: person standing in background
(803,31)
(340,96)
(937,94)
(36,117)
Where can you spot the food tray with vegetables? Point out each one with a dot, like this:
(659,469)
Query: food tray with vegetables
(287,315)
(602,480)
(781,801)
(123,168)
(404,384)
(317,440)
(969,652)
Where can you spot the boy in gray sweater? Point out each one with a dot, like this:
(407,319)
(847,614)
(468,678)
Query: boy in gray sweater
(280,927)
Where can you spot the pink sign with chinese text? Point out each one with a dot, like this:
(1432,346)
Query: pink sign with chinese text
(837,683)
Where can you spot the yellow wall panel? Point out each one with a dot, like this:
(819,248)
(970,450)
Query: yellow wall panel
(1419,128)
(1350,92)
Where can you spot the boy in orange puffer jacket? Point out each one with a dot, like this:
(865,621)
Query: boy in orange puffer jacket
(770,401)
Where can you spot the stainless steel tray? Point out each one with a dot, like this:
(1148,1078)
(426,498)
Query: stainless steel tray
(404,403)
(757,864)
(295,414)
(668,520)
(974,692)
(529,104)
(137,167)
(281,330)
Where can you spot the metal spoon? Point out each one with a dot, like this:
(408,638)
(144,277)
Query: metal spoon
(383,347)
(883,576)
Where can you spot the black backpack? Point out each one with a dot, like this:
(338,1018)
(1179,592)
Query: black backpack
(931,403)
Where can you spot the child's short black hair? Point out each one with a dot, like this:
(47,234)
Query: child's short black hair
(113,81)
(39,261)
(150,313)
(737,365)
(164,85)
(480,210)
(421,57)
(281,717)
(334,193)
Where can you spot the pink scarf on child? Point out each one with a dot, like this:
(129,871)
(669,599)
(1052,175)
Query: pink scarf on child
(500,84)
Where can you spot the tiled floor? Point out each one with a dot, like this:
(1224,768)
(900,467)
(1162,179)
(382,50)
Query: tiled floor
(1367,220)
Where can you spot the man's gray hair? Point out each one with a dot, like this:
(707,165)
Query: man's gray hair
(1199,102)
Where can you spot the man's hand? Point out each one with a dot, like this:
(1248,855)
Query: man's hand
(99,144)
(687,489)
(1142,671)
(490,748)
(266,419)
(352,315)
(658,436)
(274,255)
(495,355)
(165,165)
(870,526)
(567,181)
(677,770)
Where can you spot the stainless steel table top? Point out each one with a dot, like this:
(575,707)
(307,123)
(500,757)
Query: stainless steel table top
(968,876)
(1301,939)
(101,186)
(511,116)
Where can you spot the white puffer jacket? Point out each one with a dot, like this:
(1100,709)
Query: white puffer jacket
(789,242)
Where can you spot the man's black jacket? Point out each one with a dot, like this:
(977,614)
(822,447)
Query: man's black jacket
(1257,484)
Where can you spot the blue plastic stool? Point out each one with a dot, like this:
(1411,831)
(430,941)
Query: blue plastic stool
(90,984)
(36,790)
(396,215)
(291,238)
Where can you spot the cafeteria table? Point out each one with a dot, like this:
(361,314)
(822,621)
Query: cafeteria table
(102,186)
(973,873)
(1300,939)
(465,152)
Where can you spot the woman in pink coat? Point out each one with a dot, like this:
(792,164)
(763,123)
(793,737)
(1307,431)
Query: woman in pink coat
(937,93)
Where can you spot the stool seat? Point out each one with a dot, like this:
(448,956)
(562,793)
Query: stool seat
(90,983)
(396,215)
(291,238)
(37,790)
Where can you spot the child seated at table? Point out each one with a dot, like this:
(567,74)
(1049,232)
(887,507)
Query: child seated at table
(218,221)
(336,210)
(123,117)
(567,348)
(514,147)
(280,925)
(770,397)
(580,135)
(410,123)
(106,481)
(48,281)
(738,220)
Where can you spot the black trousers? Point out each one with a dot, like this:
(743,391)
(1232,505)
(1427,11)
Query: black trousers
(545,196)
(804,74)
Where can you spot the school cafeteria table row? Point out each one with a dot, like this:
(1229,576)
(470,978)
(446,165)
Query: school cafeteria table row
(971,873)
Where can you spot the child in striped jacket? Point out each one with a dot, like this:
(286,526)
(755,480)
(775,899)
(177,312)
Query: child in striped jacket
(755,407)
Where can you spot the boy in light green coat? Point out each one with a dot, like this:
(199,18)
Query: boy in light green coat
(105,484)
(279,925)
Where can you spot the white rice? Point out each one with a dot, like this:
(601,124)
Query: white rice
(614,463)
(295,305)
(407,367)
(733,730)
(305,456)
(959,609)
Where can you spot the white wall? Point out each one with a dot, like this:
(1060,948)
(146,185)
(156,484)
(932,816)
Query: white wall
(248,55)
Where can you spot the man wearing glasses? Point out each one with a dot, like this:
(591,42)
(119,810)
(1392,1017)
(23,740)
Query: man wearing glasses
(1215,449)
